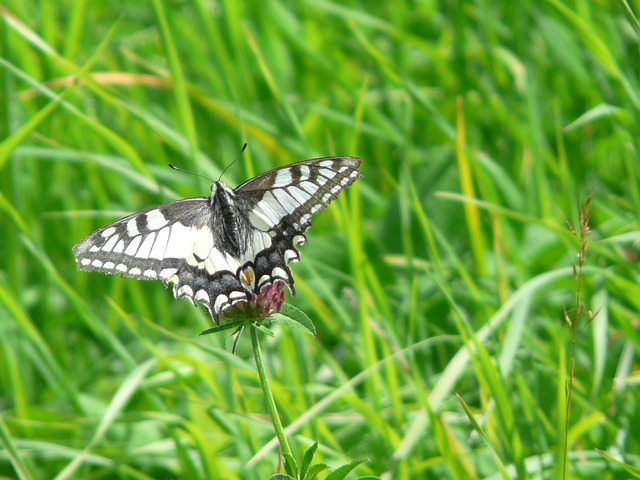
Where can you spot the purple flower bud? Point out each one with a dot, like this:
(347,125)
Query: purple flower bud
(262,305)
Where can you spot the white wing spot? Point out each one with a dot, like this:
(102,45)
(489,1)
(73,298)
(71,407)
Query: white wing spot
(156,220)
(286,200)
(132,248)
(150,274)
(185,290)
(299,239)
(203,242)
(283,178)
(316,208)
(336,189)
(326,197)
(108,232)
(270,202)
(271,208)
(145,248)
(85,261)
(121,267)
(202,296)
(237,296)
(305,171)
(327,163)
(220,300)
(291,256)
(261,241)
(344,181)
(298,194)
(259,220)
(109,265)
(327,173)
(264,279)
(135,271)
(167,272)
(309,187)
(343,169)
(107,247)
(119,248)
(94,248)
(160,244)
(132,227)
(279,273)
(96,263)
(320,180)
(178,241)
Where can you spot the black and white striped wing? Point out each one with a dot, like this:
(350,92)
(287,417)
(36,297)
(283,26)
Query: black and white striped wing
(222,249)
(280,203)
(176,243)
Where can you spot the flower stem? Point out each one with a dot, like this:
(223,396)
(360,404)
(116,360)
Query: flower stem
(271,404)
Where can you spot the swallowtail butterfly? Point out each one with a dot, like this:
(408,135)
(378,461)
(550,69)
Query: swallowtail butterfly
(222,249)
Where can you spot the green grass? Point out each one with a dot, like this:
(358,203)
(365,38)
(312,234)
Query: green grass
(439,284)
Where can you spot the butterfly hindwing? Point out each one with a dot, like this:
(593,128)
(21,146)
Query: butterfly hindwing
(222,249)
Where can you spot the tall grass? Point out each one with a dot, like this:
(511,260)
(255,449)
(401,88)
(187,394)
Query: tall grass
(439,284)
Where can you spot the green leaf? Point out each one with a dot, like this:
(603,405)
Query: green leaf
(290,465)
(281,476)
(308,458)
(496,457)
(225,326)
(633,470)
(341,472)
(315,470)
(264,329)
(293,317)
(231,344)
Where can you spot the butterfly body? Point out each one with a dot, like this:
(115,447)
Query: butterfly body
(222,249)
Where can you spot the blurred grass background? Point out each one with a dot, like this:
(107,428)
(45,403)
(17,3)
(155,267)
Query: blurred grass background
(448,269)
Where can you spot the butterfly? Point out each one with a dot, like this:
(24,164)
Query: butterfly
(223,249)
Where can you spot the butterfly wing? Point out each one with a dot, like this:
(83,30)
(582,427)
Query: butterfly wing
(279,205)
(176,243)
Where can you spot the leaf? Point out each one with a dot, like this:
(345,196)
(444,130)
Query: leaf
(231,343)
(308,458)
(315,470)
(281,476)
(633,470)
(225,326)
(264,329)
(341,472)
(290,465)
(293,317)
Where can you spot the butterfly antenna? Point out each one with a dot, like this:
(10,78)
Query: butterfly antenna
(171,165)
(244,147)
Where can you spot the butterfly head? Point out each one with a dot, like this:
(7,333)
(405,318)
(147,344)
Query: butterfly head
(221,193)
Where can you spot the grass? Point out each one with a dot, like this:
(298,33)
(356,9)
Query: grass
(440,284)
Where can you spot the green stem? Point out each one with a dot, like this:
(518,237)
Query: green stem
(271,404)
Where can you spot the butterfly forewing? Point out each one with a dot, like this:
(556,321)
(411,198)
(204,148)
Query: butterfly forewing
(223,249)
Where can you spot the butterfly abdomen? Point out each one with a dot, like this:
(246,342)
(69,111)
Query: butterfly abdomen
(233,226)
